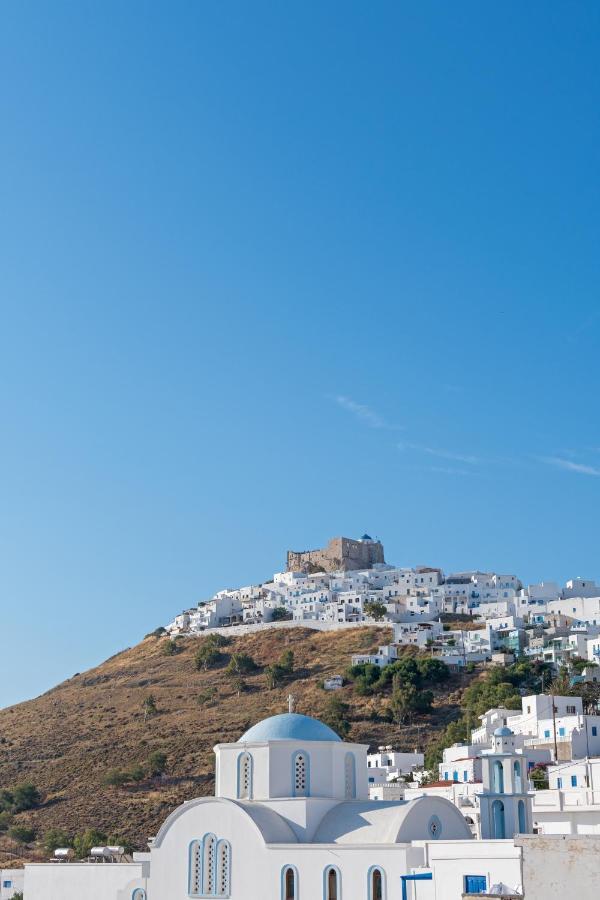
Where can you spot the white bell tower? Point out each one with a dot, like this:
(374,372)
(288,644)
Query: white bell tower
(505,802)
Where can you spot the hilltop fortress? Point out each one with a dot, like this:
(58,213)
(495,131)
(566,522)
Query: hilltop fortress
(340,555)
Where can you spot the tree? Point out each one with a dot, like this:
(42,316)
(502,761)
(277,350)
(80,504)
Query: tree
(18,895)
(280,614)
(240,664)
(336,716)
(116,778)
(6,801)
(149,707)
(26,796)
(169,648)
(408,700)
(238,683)
(24,834)
(433,671)
(157,763)
(274,675)
(56,837)
(286,661)
(5,820)
(539,778)
(207,657)
(375,609)
(83,843)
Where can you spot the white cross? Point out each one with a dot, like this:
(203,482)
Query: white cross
(291,702)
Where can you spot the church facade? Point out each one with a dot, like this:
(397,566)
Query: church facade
(291,820)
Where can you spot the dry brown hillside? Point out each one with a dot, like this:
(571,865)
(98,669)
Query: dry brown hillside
(66,740)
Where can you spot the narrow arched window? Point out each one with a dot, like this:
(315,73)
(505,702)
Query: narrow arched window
(498,820)
(375,884)
(522,817)
(289,884)
(498,777)
(301,774)
(223,868)
(195,870)
(332,884)
(139,894)
(209,867)
(518,779)
(244,791)
(349,777)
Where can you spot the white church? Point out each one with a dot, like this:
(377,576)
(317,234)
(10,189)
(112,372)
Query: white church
(291,820)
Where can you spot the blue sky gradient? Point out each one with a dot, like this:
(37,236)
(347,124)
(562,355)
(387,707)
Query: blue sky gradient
(275,272)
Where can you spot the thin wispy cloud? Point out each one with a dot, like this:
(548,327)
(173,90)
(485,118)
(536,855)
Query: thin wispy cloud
(363,413)
(448,470)
(440,452)
(570,466)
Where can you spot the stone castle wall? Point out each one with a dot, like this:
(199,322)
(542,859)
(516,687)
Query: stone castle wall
(340,553)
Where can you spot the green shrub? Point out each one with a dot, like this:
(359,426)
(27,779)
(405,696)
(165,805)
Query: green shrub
(26,796)
(157,763)
(56,837)
(83,843)
(24,834)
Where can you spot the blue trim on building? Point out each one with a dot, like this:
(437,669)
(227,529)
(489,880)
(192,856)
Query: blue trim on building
(326,872)
(370,882)
(282,880)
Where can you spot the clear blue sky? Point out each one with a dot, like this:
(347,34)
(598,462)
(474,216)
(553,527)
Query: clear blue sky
(271,272)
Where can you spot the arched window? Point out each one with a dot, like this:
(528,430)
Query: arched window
(332,884)
(289,883)
(498,777)
(301,774)
(522,817)
(349,777)
(195,871)
(223,867)
(244,784)
(375,887)
(139,894)
(498,819)
(209,864)
(517,777)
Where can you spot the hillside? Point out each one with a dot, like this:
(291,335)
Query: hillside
(66,740)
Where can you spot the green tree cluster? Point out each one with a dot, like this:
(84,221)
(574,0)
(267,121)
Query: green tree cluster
(155,765)
(209,653)
(20,798)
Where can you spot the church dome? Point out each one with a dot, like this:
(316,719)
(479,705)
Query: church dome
(289,727)
(503,732)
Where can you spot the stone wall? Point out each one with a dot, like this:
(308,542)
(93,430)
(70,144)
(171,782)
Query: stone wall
(340,554)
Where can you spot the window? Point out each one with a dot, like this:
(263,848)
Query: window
(561,732)
(465,775)
(300,774)
(331,886)
(375,889)
(546,734)
(139,894)
(455,775)
(518,779)
(244,781)
(6,884)
(594,731)
(522,815)
(573,780)
(570,710)
(475,884)
(498,777)
(289,883)
(559,783)
(445,776)
(349,777)
(498,820)
(209,868)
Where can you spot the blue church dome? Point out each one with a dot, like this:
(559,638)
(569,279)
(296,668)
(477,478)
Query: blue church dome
(290,727)
(503,732)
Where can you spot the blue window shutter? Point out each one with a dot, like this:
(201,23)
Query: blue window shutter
(594,730)
(475,884)
(573,780)
(559,783)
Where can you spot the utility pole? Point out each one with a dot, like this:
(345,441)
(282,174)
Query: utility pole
(554,728)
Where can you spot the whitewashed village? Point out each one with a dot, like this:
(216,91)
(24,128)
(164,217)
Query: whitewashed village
(511,811)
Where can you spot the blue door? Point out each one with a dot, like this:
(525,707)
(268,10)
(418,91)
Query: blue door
(475,884)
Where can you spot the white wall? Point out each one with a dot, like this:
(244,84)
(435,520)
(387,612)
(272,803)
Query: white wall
(78,881)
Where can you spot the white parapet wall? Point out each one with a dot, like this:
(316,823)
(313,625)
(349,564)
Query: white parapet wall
(75,881)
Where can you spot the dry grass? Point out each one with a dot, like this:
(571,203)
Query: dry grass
(66,740)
